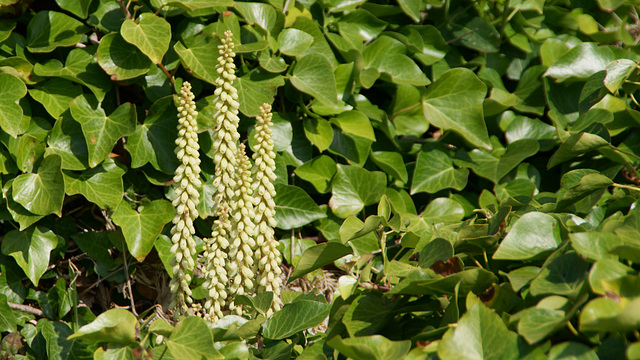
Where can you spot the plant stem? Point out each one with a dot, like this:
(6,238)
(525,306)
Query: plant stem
(26,309)
(614,148)
(167,73)
(629,187)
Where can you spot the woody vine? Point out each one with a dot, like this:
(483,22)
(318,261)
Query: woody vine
(241,256)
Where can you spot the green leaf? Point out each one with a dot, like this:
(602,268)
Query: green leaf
(454,102)
(195,5)
(41,193)
(480,334)
(120,59)
(538,323)
(115,325)
(355,123)
(437,250)
(48,30)
(442,210)
(617,72)
(496,164)
(23,216)
(318,171)
(533,234)
(79,67)
(367,314)
(141,229)
(31,249)
(8,321)
(578,184)
(564,275)
(386,56)
(353,188)
(192,339)
(154,141)
(294,42)
(370,347)
(411,8)
(478,34)
(318,256)
(392,163)
(58,346)
(319,132)
(313,75)
(434,171)
(12,90)
(149,33)
(294,207)
(67,141)
(79,8)
(297,316)
(572,350)
(101,185)
(198,57)
(256,88)
(581,62)
(55,95)
(101,132)
(575,145)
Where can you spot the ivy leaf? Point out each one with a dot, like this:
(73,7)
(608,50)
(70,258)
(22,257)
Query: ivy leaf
(12,90)
(115,325)
(434,171)
(391,163)
(23,216)
(319,132)
(454,102)
(294,42)
(41,193)
(198,56)
(79,67)
(101,132)
(8,321)
(533,234)
(480,334)
(31,249)
(79,8)
(318,171)
(313,75)
(149,33)
(141,229)
(195,5)
(297,316)
(295,208)
(55,95)
(581,62)
(67,141)
(255,89)
(374,347)
(154,141)
(318,256)
(355,123)
(101,185)
(353,188)
(120,59)
(192,339)
(48,30)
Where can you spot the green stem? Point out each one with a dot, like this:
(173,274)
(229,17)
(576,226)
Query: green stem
(629,187)
(624,152)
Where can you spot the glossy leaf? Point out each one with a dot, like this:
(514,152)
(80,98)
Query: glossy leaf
(140,229)
(371,347)
(31,249)
(318,256)
(41,193)
(191,339)
(313,75)
(580,62)
(318,171)
(197,57)
(294,42)
(55,95)
(434,171)
(115,325)
(295,317)
(294,207)
(101,185)
(354,188)
(11,114)
(101,132)
(120,59)
(48,30)
(149,33)
(533,234)
(454,102)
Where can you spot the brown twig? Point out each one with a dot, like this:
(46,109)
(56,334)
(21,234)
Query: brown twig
(26,309)
(125,9)
(164,70)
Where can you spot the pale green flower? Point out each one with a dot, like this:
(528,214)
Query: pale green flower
(187,180)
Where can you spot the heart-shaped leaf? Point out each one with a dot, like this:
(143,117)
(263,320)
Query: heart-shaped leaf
(192,339)
(533,234)
(353,188)
(294,207)
(371,347)
(101,132)
(297,316)
(313,75)
(115,325)
(55,95)
(41,193)
(31,249)
(12,90)
(48,30)
(141,229)
(199,58)
(120,59)
(434,171)
(149,33)
(101,185)
(454,102)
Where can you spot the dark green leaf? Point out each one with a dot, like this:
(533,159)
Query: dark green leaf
(294,207)
(31,249)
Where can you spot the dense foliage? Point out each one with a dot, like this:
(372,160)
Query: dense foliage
(465,174)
